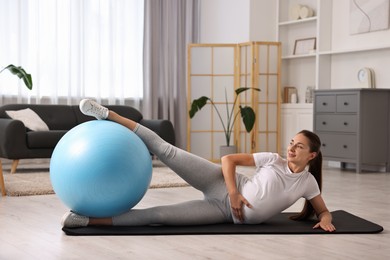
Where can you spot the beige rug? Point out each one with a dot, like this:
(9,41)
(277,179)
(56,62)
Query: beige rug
(36,181)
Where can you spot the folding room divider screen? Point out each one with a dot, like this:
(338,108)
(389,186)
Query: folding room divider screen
(215,71)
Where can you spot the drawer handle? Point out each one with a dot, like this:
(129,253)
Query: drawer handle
(323,145)
(323,123)
(345,146)
(346,104)
(324,103)
(345,123)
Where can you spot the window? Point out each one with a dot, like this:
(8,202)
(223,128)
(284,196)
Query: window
(73,48)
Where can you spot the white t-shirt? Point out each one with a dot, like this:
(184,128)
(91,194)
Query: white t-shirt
(274,188)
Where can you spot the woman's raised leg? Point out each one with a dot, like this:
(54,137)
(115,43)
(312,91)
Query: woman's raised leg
(198,172)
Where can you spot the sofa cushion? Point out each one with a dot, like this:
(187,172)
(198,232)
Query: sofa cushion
(44,139)
(29,118)
(57,117)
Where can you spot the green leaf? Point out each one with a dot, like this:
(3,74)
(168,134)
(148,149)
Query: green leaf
(240,90)
(21,73)
(197,105)
(248,117)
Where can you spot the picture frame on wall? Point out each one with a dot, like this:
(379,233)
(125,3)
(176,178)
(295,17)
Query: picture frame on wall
(305,46)
(367,16)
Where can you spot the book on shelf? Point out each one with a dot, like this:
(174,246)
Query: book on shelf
(288,93)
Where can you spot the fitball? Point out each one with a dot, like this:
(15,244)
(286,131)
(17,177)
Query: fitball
(100,169)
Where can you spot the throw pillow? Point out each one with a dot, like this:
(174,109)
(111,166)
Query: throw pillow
(29,118)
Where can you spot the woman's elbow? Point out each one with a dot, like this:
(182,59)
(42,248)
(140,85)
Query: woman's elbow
(226,158)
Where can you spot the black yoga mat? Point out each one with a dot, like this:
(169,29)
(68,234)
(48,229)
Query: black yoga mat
(345,223)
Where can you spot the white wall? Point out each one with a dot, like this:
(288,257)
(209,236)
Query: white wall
(345,66)
(224,21)
(341,39)
(263,20)
(235,21)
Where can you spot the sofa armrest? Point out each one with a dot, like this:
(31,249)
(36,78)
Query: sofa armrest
(12,138)
(163,128)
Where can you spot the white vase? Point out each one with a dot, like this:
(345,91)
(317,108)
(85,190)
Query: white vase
(225,150)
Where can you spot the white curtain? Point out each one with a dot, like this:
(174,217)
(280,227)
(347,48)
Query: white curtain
(73,49)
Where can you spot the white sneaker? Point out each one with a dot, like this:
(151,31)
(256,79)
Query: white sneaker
(91,108)
(73,220)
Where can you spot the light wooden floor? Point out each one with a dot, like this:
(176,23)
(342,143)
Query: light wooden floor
(30,229)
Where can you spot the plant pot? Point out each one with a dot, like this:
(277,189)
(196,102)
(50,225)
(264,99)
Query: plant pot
(225,150)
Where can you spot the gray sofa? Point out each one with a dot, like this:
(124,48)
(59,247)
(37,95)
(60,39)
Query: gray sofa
(17,142)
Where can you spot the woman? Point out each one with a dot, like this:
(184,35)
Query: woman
(228,196)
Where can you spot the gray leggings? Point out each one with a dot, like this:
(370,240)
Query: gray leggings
(199,173)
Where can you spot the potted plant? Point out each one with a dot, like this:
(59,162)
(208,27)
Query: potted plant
(247,114)
(21,73)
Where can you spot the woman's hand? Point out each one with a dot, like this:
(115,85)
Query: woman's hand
(325,225)
(323,214)
(236,202)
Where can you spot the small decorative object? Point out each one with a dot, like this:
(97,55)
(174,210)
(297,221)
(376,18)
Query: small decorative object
(305,46)
(294,98)
(309,95)
(305,12)
(300,12)
(366,78)
(247,113)
(295,12)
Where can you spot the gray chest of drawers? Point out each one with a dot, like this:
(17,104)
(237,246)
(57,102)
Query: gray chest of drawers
(354,125)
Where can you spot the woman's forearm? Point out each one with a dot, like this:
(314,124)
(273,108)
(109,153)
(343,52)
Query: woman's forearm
(229,174)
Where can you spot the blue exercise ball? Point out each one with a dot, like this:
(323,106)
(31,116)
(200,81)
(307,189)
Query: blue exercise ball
(100,169)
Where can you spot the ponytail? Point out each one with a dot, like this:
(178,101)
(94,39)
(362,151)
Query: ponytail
(315,168)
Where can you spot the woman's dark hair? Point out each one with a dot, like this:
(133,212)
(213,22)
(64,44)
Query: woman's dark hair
(315,168)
